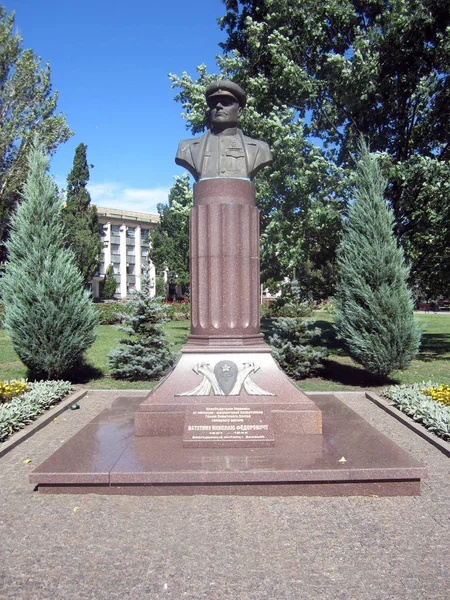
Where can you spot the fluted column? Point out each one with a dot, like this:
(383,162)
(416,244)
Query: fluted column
(224,251)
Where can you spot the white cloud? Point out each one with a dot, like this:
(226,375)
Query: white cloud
(115,195)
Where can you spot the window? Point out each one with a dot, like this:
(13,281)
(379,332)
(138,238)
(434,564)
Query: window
(131,269)
(145,233)
(115,229)
(144,252)
(115,248)
(130,250)
(131,232)
(116,268)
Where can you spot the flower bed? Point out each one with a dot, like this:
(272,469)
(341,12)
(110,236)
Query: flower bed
(427,403)
(21,410)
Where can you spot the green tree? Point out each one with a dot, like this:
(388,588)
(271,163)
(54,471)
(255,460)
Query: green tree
(49,318)
(169,241)
(27,107)
(374,308)
(145,354)
(291,344)
(110,283)
(160,287)
(375,68)
(81,217)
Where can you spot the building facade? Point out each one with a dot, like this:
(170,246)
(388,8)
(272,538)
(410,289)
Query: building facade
(125,236)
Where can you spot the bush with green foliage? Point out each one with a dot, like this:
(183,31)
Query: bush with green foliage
(292,349)
(286,307)
(24,409)
(145,354)
(290,304)
(178,311)
(160,287)
(49,317)
(109,283)
(412,400)
(373,305)
(110,313)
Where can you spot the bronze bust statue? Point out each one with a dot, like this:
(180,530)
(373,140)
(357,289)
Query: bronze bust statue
(224,151)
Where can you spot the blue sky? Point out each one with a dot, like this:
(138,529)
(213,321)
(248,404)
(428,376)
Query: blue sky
(110,62)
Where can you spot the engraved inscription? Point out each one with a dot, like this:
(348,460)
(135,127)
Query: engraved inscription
(208,424)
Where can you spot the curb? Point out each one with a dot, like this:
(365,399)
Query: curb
(441,445)
(29,430)
(331,393)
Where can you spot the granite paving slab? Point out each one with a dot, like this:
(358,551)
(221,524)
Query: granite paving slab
(221,547)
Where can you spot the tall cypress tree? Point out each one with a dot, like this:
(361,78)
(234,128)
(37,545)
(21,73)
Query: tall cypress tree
(49,317)
(81,217)
(374,307)
(109,283)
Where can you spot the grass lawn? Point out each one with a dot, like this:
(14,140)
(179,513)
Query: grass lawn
(340,372)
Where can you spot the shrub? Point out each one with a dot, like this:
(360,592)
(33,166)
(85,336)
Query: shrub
(290,347)
(266,309)
(20,411)
(160,287)
(49,317)
(110,313)
(178,311)
(285,306)
(412,400)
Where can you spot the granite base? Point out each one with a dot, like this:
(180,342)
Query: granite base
(350,458)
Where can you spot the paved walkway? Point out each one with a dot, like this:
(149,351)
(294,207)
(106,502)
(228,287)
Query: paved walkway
(72,547)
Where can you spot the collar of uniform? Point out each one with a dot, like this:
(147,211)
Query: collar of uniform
(230,131)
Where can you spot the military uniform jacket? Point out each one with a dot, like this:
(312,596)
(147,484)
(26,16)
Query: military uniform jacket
(228,154)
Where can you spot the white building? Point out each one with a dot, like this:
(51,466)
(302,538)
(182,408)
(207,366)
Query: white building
(125,235)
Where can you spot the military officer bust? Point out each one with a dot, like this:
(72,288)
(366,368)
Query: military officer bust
(224,151)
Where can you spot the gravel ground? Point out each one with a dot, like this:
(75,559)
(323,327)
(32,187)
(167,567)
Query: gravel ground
(218,547)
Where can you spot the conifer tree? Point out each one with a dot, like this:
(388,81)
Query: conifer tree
(49,318)
(110,283)
(145,354)
(81,217)
(374,307)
